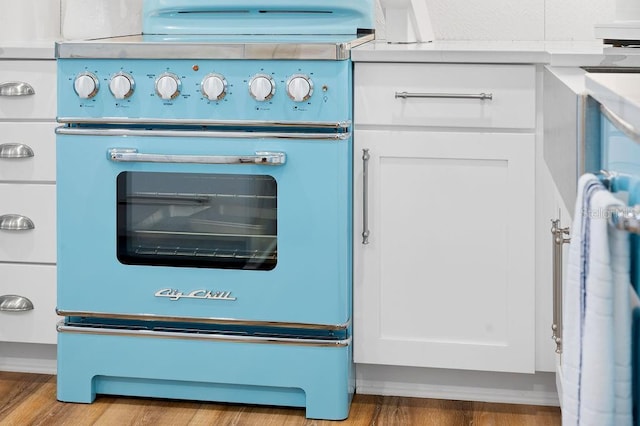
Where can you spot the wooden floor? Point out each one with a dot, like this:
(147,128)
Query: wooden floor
(30,399)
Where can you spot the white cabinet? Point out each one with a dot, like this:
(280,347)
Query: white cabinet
(27,201)
(446,279)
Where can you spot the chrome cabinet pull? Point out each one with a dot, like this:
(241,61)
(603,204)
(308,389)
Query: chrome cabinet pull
(15,303)
(365,196)
(131,155)
(16,88)
(558,240)
(15,150)
(15,222)
(481,96)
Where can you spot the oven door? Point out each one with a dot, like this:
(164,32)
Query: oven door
(200,225)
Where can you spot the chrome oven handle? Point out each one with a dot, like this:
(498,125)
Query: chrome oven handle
(131,155)
(365,196)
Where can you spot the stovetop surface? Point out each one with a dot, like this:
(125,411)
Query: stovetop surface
(242,46)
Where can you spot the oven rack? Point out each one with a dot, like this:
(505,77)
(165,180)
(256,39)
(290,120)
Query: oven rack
(270,255)
(190,198)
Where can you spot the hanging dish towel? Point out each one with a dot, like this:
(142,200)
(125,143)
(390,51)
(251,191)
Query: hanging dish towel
(573,300)
(597,315)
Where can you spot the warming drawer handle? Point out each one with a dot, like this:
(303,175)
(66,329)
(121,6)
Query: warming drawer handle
(15,303)
(131,155)
(16,88)
(15,150)
(481,96)
(365,196)
(15,222)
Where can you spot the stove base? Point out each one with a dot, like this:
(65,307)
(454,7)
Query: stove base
(319,378)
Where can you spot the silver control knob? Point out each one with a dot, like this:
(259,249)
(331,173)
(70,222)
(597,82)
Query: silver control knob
(299,87)
(168,86)
(86,85)
(214,87)
(262,87)
(121,85)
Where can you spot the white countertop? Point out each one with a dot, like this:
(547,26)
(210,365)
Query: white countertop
(530,52)
(619,92)
(40,49)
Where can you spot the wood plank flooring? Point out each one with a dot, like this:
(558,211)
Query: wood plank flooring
(30,399)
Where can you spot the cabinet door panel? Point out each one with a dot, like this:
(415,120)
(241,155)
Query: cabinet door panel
(446,280)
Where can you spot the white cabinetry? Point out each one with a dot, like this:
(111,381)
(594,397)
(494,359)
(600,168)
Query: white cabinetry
(446,279)
(27,201)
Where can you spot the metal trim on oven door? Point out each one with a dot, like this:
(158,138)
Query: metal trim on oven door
(201,134)
(62,328)
(203,320)
(213,123)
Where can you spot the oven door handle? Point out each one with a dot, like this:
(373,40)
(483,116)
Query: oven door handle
(131,155)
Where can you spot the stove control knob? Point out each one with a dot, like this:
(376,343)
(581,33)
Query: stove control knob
(168,86)
(299,87)
(262,87)
(121,85)
(86,85)
(214,87)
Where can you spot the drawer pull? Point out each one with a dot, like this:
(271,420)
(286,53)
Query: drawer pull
(481,96)
(13,303)
(15,150)
(16,88)
(15,222)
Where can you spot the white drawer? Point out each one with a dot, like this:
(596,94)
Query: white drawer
(37,202)
(20,139)
(41,76)
(512,88)
(38,284)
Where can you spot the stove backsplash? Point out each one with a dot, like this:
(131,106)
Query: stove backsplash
(90,19)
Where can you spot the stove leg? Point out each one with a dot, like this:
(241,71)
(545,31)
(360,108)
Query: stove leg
(328,402)
(75,388)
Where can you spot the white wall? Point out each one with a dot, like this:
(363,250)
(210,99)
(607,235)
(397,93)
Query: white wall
(515,20)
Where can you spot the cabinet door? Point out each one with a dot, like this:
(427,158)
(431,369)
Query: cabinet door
(447,277)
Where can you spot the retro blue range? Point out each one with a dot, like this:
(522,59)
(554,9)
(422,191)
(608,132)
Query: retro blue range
(204,206)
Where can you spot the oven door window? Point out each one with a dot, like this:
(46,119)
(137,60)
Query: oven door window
(197,220)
